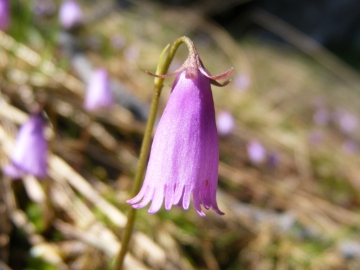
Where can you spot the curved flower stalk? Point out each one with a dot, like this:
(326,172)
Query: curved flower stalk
(70,14)
(4,15)
(30,152)
(98,94)
(184,155)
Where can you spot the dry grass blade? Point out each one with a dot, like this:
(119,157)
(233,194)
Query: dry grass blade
(34,189)
(94,240)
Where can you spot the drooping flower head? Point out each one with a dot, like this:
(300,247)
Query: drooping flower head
(4,14)
(70,14)
(30,152)
(184,155)
(98,93)
(225,123)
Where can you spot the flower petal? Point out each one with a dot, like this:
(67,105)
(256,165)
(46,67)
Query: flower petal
(197,206)
(147,198)
(169,194)
(13,172)
(186,197)
(157,200)
(140,195)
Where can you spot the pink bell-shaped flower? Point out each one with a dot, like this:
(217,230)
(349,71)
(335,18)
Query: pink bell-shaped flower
(30,152)
(70,14)
(4,14)
(184,155)
(98,93)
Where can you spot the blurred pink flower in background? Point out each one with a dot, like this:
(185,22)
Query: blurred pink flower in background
(242,81)
(347,121)
(321,116)
(256,152)
(98,93)
(4,15)
(30,152)
(70,14)
(225,123)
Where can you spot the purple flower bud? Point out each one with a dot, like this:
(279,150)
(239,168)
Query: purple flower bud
(185,153)
(70,14)
(98,94)
(30,153)
(4,15)
(225,123)
(256,152)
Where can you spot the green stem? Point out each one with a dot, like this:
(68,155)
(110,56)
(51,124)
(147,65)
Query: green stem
(162,68)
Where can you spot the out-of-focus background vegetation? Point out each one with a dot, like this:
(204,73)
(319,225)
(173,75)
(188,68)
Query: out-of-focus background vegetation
(295,91)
